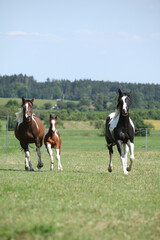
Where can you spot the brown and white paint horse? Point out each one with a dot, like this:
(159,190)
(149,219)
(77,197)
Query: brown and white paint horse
(29,129)
(53,140)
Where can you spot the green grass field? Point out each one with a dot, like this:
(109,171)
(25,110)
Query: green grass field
(84,201)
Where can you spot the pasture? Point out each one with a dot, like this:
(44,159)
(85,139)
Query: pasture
(83,201)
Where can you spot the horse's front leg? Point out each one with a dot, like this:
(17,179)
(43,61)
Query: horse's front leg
(123,160)
(28,165)
(50,152)
(40,163)
(58,159)
(126,149)
(110,158)
(131,149)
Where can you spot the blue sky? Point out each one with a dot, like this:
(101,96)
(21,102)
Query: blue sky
(115,40)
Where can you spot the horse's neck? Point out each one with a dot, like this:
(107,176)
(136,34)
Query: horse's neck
(50,130)
(124,120)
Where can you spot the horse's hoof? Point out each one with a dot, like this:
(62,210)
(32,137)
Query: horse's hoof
(26,168)
(109,169)
(32,170)
(126,173)
(39,166)
(128,169)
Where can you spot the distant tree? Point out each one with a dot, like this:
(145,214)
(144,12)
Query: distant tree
(12,103)
(47,105)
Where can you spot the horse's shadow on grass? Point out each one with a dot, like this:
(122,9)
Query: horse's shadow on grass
(21,170)
(42,171)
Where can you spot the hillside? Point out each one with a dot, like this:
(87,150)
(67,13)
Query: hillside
(101,94)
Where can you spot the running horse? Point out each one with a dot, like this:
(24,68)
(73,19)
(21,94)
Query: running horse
(29,129)
(120,131)
(53,140)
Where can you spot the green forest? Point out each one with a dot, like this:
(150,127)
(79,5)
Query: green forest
(80,100)
(101,94)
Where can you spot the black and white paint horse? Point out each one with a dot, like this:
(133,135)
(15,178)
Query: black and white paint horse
(120,131)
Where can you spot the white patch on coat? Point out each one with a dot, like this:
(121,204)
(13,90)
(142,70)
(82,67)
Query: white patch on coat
(132,124)
(113,123)
(56,135)
(35,122)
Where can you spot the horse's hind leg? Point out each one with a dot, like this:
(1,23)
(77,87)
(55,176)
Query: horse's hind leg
(40,163)
(58,159)
(131,148)
(126,149)
(110,158)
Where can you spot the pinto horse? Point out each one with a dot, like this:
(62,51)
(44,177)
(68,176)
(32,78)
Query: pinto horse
(120,131)
(53,140)
(29,129)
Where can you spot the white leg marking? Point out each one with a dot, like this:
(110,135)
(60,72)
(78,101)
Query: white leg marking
(28,162)
(126,149)
(51,155)
(58,160)
(27,156)
(110,163)
(123,160)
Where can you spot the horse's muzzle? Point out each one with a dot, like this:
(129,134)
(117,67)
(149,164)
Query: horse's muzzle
(28,118)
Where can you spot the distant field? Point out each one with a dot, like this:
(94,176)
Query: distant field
(154,123)
(38,102)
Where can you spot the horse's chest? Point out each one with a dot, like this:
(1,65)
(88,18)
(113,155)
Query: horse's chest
(122,134)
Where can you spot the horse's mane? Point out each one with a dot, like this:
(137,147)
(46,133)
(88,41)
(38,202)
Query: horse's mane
(116,113)
(19,116)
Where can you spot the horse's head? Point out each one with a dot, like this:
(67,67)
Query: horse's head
(123,102)
(27,109)
(53,123)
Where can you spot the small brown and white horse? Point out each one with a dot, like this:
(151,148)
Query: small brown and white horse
(53,140)
(29,129)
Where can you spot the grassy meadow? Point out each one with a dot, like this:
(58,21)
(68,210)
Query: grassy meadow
(83,201)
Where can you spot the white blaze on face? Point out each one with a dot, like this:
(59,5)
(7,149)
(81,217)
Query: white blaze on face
(53,125)
(124,108)
(26,114)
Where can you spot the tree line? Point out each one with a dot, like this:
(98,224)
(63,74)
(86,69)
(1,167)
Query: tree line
(101,94)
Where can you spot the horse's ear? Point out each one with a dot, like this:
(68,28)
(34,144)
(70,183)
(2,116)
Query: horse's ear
(50,116)
(23,99)
(120,93)
(56,117)
(32,100)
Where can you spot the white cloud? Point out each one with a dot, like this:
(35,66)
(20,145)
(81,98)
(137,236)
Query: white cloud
(130,36)
(16,33)
(137,37)
(48,36)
